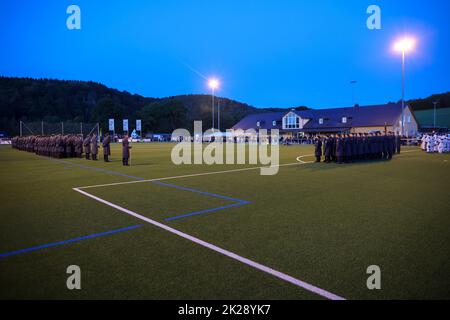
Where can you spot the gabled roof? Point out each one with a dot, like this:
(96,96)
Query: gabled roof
(367,116)
(265,120)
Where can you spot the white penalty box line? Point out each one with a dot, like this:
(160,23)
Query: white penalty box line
(194,175)
(285,277)
(234,256)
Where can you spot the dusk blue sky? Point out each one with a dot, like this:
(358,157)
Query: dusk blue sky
(265,53)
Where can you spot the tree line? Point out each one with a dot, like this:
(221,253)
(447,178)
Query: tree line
(50,100)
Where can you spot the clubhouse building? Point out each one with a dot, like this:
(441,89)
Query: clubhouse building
(357,119)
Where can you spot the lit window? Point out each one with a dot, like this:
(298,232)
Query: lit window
(291,121)
(344,119)
(321,121)
(409,119)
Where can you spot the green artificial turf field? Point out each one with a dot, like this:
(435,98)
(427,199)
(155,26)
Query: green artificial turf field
(323,224)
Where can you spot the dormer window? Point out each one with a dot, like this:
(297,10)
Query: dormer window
(292,121)
(344,119)
(320,120)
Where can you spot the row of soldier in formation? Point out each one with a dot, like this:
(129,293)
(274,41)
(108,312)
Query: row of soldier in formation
(70,146)
(432,143)
(345,148)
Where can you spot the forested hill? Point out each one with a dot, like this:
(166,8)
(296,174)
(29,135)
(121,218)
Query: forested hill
(51,100)
(442,99)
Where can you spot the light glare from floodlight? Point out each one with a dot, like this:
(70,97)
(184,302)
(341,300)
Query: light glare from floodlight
(404,45)
(213,83)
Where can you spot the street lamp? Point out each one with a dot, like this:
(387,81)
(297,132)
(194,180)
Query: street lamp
(213,84)
(404,45)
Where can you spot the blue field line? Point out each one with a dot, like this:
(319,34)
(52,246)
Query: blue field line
(97,169)
(60,243)
(239,202)
(201,192)
(196,213)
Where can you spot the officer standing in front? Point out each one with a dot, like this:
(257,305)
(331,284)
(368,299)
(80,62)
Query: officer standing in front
(106,147)
(125,150)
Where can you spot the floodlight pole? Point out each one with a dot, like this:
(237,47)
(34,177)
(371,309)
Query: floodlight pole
(403,91)
(218,114)
(212,96)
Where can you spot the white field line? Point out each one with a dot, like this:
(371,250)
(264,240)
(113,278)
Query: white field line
(232,255)
(299,162)
(191,175)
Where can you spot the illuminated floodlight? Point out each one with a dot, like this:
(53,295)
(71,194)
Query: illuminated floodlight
(404,45)
(213,83)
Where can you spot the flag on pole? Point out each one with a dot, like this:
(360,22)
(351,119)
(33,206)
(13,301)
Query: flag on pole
(111,124)
(138,125)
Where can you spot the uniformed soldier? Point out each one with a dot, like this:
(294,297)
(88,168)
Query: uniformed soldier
(354,139)
(360,143)
(384,146)
(339,149)
(398,143)
(94,147)
(106,147)
(125,150)
(318,148)
(87,147)
(328,143)
(333,148)
(79,146)
(347,149)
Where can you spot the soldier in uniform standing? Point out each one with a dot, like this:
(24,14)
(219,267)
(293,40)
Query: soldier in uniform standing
(398,143)
(333,148)
(94,147)
(106,147)
(79,146)
(327,149)
(125,150)
(87,147)
(354,147)
(347,149)
(318,148)
(339,149)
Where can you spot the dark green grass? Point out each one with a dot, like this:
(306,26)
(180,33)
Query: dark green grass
(323,224)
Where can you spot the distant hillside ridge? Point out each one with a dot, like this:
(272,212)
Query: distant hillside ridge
(51,100)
